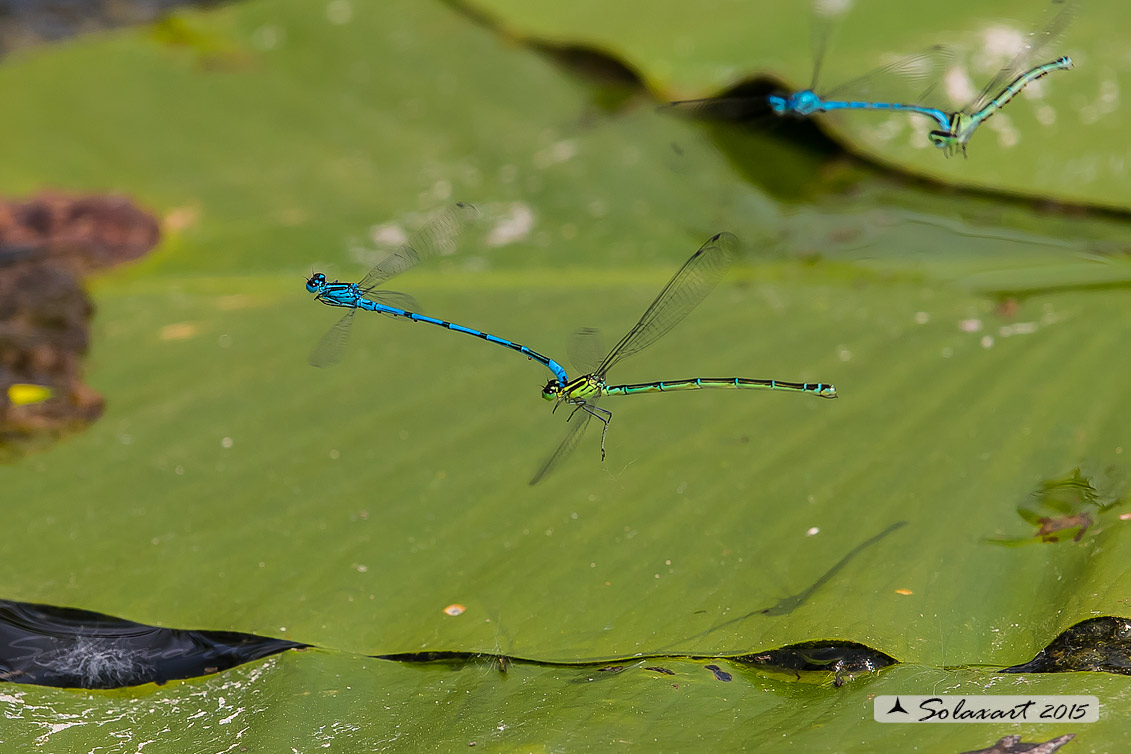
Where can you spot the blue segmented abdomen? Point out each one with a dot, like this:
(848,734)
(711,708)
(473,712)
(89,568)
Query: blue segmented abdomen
(806,103)
(558,370)
(373,306)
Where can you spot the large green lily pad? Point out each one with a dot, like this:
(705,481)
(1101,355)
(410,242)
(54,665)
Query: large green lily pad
(344,703)
(1064,139)
(231,486)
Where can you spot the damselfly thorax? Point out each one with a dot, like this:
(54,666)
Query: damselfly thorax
(575,391)
(583,387)
(340,294)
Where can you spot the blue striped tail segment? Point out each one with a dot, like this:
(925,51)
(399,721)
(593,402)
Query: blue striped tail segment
(558,370)
(373,306)
(931,112)
(805,103)
(343,298)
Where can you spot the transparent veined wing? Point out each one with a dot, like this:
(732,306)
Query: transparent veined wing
(686,290)
(579,420)
(436,237)
(825,16)
(395,299)
(909,80)
(735,109)
(586,349)
(328,351)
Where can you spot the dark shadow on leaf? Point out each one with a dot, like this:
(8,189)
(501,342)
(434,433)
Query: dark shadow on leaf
(57,646)
(1098,644)
(814,661)
(787,605)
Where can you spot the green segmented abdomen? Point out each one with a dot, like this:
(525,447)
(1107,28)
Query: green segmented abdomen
(1012,90)
(820,389)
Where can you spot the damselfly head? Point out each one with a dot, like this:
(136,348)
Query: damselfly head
(945,141)
(316,283)
(779,103)
(552,390)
